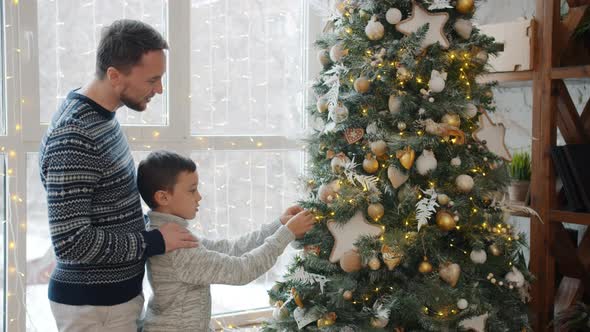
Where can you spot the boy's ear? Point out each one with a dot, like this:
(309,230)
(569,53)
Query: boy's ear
(161,198)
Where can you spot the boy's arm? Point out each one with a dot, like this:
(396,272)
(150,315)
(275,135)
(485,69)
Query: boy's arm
(243,244)
(203,267)
(71,168)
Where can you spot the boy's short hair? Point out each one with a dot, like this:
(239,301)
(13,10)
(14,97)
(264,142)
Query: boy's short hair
(159,171)
(123,43)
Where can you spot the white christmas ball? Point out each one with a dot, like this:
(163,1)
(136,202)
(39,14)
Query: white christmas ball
(462,304)
(436,84)
(470,111)
(337,52)
(394,104)
(393,16)
(318,123)
(478,256)
(464,182)
(426,162)
(339,162)
(374,29)
(279,313)
(456,162)
(323,58)
(372,128)
(340,114)
(515,276)
(464,28)
(379,147)
(437,81)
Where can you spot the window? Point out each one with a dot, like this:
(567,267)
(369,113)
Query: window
(68,33)
(246,67)
(234,100)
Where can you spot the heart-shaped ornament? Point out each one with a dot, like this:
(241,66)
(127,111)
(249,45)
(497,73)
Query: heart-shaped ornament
(406,157)
(396,176)
(449,272)
(354,135)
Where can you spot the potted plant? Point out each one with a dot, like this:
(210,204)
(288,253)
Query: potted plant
(520,171)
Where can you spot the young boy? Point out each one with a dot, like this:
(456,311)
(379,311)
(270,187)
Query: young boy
(168,183)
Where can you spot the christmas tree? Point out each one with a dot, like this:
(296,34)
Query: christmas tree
(406,179)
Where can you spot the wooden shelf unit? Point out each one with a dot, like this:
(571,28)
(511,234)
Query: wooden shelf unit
(553,252)
(570,72)
(569,217)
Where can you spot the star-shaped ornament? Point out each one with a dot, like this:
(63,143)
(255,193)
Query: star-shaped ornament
(346,234)
(477,324)
(493,136)
(420,17)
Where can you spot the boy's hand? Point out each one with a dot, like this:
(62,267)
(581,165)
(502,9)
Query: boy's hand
(289,213)
(301,223)
(176,237)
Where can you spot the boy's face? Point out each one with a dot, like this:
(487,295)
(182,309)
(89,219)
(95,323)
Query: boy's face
(184,200)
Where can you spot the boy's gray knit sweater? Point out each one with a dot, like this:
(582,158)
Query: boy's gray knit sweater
(180,279)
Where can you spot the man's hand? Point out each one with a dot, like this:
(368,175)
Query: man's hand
(289,213)
(176,237)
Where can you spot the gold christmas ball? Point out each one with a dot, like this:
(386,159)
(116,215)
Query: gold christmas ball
(324,322)
(324,57)
(376,211)
(452,120)
(443,199)
(347,295)
(379,323)
(465,6)
(495,249)
(350,261)
(370,164)
(374,263)
(445,221)
(361,84)
(322,104)
(296,297)
(364,15)
(425,267)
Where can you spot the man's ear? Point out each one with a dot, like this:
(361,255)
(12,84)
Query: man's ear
(161,198)
(113,75)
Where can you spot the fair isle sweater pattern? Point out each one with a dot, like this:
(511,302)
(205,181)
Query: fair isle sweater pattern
(95,218)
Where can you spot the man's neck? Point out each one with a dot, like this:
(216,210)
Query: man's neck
(101,93)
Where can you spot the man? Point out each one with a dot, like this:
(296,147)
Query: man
(95,217)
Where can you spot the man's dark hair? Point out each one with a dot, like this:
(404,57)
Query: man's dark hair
(159,171)
(123,43)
